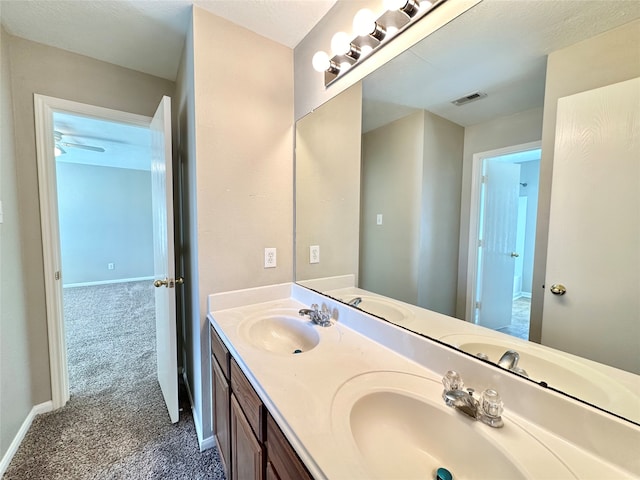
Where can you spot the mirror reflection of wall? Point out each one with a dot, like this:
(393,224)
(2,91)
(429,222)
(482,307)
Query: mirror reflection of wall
(525,57)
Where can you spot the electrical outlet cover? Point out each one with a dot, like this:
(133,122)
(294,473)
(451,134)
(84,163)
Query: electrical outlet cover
(314,254)
(269,258)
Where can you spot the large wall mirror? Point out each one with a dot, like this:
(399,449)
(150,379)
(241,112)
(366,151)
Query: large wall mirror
(489,172)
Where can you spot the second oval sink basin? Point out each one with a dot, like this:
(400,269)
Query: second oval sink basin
(400,428)
(281,334)
(382,308)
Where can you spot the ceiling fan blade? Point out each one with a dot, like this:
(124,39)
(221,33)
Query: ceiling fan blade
(83,147)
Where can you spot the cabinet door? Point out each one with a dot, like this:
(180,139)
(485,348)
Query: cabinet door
(283,459)
(247,459)
(271,473)
(221,396)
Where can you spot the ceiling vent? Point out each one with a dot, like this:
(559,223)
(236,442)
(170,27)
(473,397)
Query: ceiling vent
(472,97)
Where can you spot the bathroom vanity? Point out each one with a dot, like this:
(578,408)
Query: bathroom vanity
(363,398)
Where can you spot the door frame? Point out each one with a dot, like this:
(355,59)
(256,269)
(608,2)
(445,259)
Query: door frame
(474,217)
(44,108)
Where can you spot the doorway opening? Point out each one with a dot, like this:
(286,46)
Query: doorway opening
(55,138)
(105,218)
(502,240)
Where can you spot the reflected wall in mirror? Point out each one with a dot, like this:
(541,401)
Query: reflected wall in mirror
(422,169)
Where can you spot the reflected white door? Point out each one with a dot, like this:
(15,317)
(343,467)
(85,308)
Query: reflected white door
(499,221)
(163,253)
(594,227)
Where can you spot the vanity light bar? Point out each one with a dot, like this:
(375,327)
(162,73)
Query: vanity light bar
(370,33)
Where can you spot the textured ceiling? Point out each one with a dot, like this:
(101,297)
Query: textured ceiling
(497,47)
(148,35)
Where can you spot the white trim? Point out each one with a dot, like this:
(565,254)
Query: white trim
(106,282)
(476,182)
(22,432)
(44,107)
(204,443)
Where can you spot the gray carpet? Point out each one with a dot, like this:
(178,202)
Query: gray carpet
(520,313)
(115,425)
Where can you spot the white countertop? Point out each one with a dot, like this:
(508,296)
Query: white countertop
(302,391)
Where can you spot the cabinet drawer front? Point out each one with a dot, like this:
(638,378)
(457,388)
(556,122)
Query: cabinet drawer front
(219,351)
(281,455)
(248,400)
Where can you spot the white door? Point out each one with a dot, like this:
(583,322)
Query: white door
(499,221)
(163,253)
(594,227)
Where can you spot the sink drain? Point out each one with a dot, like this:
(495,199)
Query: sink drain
(443,474)
(297,350)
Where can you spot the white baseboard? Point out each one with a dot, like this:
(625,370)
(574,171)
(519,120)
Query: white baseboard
(106,282)
(17,440)
(204,443)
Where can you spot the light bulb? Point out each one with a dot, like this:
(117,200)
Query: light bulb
(340,44)
(344,66)
(394,4)
(365,50)
(321,61)
(391,30)
(425,4)
(364,22)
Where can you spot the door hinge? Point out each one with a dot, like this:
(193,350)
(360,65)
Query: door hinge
(57,275)
(479,243)
(485,179)
(478,305)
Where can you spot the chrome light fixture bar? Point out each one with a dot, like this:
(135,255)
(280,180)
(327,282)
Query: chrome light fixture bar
(370,33)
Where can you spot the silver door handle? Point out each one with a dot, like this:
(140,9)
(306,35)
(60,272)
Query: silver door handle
(161,283)
(514,255)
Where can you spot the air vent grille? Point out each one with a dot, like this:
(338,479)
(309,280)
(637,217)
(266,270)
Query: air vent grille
(472,97)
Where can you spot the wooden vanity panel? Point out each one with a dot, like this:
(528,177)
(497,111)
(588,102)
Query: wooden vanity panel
(219,351)
(283,459)
(221,414)
(248,400)
(247,457)
(271,473)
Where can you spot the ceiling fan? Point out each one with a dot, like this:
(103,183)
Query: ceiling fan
(61,144)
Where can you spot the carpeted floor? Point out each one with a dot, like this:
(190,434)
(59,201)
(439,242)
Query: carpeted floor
(115,425)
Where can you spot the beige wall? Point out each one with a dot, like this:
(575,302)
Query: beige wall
(523,127)
(310,91)
(327,186)
(603,60)
(15,349)
(392,170)
(411,174)
(240,169)
(440,213)
(36,68)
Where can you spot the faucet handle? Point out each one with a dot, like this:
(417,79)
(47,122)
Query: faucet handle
(452,381)
(492,408)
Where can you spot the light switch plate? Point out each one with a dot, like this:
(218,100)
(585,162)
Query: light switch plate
(379,219)
(269,257)
(314,254)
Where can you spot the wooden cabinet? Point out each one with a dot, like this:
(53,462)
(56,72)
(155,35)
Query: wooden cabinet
(221,396)
(246,453)
(282,459)
(251,445)
(221,414)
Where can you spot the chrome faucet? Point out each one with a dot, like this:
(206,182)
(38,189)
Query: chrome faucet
(355,302)
(509,360)
(319,317)
(488,408)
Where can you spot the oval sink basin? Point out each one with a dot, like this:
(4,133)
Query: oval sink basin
(561,371)
(385,309)
(281,334)
(398,426)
